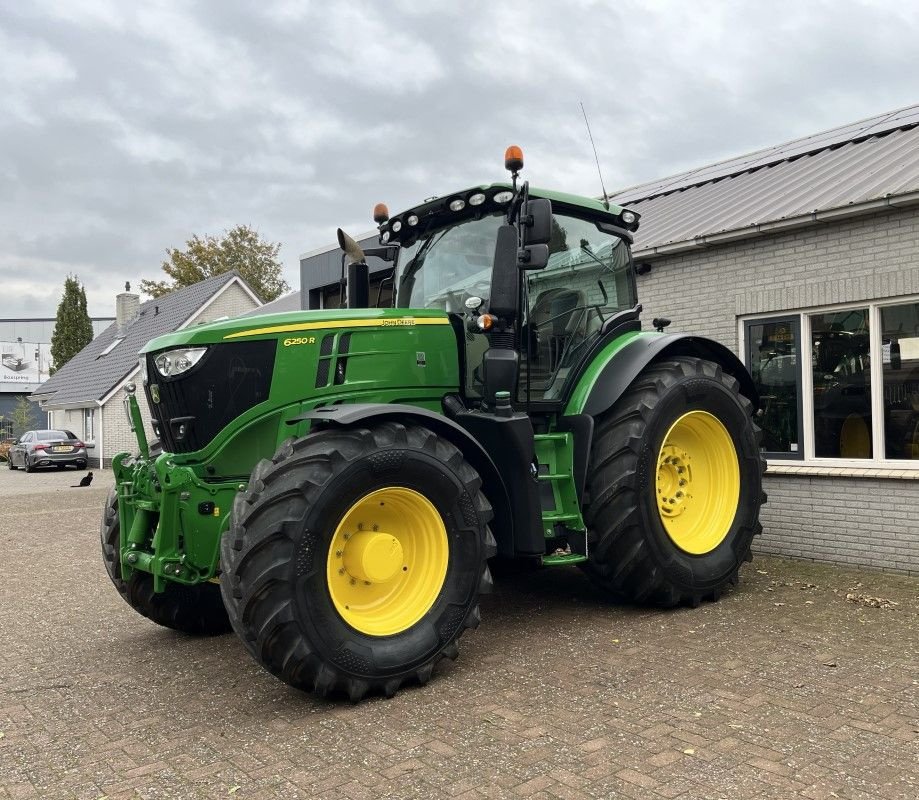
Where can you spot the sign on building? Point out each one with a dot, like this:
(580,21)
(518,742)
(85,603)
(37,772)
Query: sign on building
(23,365)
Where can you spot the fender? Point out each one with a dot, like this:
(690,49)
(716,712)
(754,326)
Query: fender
(493,486)
(619,364)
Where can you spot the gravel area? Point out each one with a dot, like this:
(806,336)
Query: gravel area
(803,682)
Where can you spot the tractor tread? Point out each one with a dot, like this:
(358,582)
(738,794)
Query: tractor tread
(263,542)
(621,562)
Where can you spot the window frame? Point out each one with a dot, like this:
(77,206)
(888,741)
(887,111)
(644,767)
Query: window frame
(795,320)
(806,406)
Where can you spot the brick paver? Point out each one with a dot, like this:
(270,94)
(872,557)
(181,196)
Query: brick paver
(785,688)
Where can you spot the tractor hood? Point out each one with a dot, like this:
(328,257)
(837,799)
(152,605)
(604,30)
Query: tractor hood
(294,323)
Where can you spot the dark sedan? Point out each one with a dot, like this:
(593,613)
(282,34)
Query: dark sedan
(47,448)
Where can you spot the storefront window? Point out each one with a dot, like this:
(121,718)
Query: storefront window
(842,384)
(900,359)
(773,356)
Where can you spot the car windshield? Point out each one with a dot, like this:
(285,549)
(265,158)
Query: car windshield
(446,266)
(48,436)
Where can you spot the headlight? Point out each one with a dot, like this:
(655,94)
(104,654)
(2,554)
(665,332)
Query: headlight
(412,220)
(396,226)
(385,236)
(143,369)
(175,362)
(457,205)
(503,197)
(628,217)
(477,199)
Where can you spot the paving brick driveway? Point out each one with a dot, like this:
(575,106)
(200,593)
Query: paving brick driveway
(785,688)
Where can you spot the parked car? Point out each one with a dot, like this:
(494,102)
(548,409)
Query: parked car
(47,448)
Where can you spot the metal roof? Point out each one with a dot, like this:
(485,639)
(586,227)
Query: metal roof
(856,168)
(89,375)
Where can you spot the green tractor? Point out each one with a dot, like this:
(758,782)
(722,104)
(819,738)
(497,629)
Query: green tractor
(332,484)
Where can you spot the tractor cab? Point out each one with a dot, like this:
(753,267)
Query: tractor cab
(555,307)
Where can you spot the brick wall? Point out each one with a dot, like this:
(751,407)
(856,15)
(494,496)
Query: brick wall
(867,521)
(704,291)
(118,437)
(233,302)
(864,521)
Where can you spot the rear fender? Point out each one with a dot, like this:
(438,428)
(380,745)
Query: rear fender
(493,486)
(616,367)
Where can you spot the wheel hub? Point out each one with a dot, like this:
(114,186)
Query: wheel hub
(673,481)
(372,556)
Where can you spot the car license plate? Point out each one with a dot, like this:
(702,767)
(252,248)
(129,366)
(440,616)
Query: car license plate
(61,449)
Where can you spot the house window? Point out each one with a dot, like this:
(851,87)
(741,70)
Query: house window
(838,384)
(900,375)
(774,360)
(841,370)
(89,424)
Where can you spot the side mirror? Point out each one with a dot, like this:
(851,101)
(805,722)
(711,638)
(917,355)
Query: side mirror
(536,219)
(536,224)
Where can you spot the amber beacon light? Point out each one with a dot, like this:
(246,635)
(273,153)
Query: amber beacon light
(513,159)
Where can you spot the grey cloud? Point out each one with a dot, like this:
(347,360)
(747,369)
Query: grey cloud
(125,129)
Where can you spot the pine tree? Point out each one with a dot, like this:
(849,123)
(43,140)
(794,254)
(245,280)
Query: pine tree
(241,249)
(73,329)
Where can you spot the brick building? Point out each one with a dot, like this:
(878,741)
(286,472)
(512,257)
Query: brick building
(804,258)
(86,396)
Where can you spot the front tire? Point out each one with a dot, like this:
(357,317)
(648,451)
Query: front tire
(676,486)
(196,610)
(357,557)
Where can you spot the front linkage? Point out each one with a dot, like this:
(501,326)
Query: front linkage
(173,519)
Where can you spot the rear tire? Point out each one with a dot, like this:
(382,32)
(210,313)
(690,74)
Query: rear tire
(638,551)
(288,580)
(196,610)
(27,464)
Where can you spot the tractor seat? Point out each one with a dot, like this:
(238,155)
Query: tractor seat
(555,316)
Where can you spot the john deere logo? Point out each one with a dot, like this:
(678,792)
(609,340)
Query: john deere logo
(155,393)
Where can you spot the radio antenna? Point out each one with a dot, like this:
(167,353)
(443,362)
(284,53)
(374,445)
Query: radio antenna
(596,157)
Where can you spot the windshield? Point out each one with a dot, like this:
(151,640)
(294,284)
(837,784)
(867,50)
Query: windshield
(444,267)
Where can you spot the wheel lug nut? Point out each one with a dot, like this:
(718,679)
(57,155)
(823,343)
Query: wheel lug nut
(341,571)
(338,553)
(376,527)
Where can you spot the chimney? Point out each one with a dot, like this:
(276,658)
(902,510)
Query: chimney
(127,308)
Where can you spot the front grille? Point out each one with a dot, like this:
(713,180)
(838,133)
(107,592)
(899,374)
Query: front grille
(195,406)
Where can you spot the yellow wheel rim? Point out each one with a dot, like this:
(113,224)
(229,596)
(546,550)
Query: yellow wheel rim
(387,561)
(698,482)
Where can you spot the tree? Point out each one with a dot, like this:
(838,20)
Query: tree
(73,329)
(240,249)
(22,416)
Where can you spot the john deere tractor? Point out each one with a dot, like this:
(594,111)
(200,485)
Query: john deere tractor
(332,484)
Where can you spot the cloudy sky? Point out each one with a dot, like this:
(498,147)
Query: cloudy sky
(127,127)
